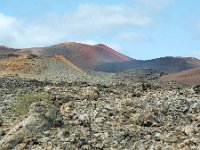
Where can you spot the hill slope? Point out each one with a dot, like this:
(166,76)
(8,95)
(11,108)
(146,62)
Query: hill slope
(190,76)
(6,52)
(164,64)
(41,68)
(82,55)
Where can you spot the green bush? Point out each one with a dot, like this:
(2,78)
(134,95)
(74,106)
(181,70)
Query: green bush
(21,105)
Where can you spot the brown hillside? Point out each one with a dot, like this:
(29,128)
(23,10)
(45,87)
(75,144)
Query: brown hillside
(82,55)
(42,68)
(67,62)
(190,76)
(18,66)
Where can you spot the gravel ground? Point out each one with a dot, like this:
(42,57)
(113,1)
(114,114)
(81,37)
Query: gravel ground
(123,114)
(96,110)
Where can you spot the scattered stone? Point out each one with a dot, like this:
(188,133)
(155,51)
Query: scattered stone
(1,121)
(94,115)
(190,130)
(41,117)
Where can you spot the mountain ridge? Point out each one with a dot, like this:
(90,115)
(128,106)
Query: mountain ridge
(166,64)
(83,57)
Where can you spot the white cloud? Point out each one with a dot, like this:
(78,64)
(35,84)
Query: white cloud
(17,33)
(79,24)
(8,26)
(111,45)
(87,19)
(155,5)
(158,3)
(131,36)
(6,21)
(100,16)
(89,42)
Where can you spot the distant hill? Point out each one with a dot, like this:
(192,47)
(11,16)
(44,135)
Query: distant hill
(190,76)
(6,52)
(73,59)
(82,55)
(163,64)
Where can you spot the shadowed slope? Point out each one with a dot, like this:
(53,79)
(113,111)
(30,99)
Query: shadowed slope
(6,52)
(163,64)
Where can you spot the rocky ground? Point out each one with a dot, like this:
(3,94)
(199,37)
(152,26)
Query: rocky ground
(101,111)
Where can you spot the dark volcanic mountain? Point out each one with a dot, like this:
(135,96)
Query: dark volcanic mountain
(164,64)
(82,55)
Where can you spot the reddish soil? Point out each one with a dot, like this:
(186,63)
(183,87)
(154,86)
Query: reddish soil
(18,65)
(82,55)
(190,76)
(67,62)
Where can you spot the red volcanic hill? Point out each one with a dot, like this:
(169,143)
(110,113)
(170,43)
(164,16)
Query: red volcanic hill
(83,55)
(190,76)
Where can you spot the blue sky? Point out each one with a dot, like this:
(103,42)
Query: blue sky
(142,29)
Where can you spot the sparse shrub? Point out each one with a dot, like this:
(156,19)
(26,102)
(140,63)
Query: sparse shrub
(21,105)
(196,89)
(146,86)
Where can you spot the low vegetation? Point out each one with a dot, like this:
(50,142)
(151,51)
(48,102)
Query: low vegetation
(23,102)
